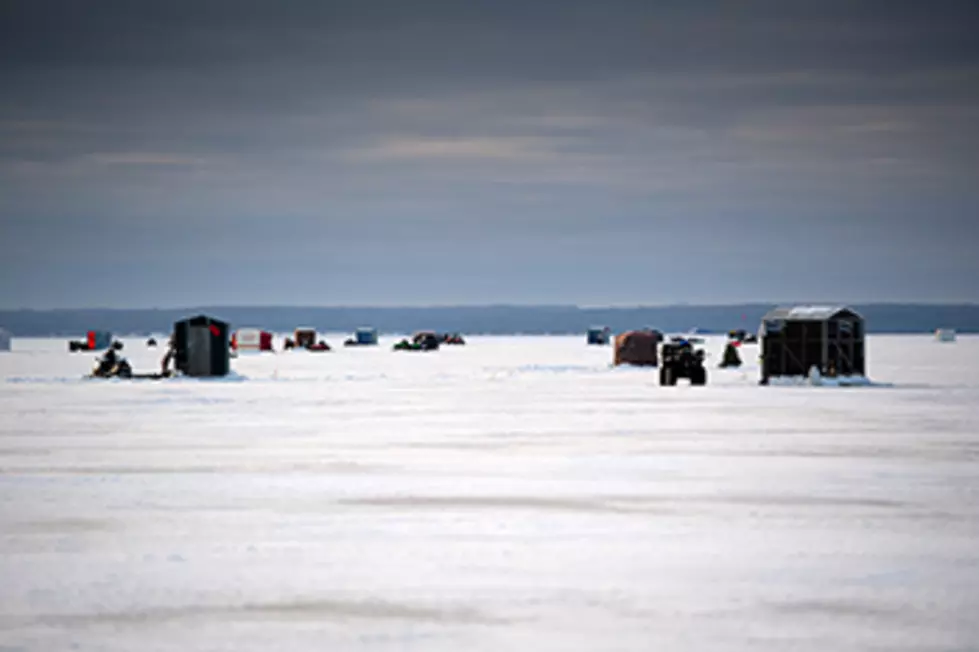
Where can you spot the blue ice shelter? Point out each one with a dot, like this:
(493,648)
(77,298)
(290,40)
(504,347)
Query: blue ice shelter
(98,340)
(366,336)
(599,335)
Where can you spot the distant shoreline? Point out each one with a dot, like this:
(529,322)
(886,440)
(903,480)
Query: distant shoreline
(881,318)
(335,334)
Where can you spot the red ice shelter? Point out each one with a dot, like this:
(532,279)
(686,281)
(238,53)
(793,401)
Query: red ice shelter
(251,339)
(98,340)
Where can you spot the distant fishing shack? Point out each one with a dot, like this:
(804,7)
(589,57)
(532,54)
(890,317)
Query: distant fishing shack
(795,340)
(598,335)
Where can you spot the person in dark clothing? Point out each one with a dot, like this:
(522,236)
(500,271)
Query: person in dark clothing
(170,355)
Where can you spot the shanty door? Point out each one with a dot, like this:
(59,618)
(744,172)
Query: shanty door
(199,351)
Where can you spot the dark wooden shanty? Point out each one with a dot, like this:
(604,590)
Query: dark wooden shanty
(202,346)
(830,338)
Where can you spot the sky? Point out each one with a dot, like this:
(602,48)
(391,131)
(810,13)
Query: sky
(436,152)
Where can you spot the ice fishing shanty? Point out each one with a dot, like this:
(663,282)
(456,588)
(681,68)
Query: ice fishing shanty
(202,347)
(304,337)
(945,335)
(366,336)
(637,348)
(251,339)
(598,335)
(829,338)
(94,341)
(5,338)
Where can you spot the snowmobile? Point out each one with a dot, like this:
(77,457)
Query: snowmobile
(424,341)
(113,365)
(122,369)
(119,369)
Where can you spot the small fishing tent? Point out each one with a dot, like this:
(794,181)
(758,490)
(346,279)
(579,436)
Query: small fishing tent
(366,336)
(637,348)
(598,335)
(945,335)
(5,338)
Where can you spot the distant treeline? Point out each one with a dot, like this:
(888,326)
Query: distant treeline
(495,320)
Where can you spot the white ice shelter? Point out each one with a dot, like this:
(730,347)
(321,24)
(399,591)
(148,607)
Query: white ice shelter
(252,339)
(945,335)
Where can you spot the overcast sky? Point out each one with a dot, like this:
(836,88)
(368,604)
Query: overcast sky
(400,152)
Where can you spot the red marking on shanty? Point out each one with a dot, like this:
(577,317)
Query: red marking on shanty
(215,331)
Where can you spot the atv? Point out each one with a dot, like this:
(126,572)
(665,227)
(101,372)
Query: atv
(681,360)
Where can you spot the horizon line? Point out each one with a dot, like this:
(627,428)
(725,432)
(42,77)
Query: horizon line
(463,306)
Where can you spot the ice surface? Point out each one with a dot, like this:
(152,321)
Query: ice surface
(824,381)
(511,494)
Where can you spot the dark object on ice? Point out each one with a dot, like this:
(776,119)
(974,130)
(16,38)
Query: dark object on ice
(120,369)
(680,360)
(637,348)
(169,356)
(303,338)
(731,357)
(151,342)
(424,341)
(123,370)
(202,347)
(829,338)
(599,335)
(112,364)
(453,339)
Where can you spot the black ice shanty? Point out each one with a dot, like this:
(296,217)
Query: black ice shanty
(202,346)
(830,338)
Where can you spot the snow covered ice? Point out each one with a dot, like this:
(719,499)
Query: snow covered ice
(512,494)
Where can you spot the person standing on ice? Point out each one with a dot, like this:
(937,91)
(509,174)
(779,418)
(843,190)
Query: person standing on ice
(731,357)
(169,356)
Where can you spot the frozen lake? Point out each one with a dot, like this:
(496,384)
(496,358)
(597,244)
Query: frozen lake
(514,494)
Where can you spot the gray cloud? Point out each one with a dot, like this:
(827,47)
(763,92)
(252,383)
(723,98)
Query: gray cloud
(538,151)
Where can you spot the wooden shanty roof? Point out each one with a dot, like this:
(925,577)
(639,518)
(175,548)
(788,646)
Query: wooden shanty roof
(808,313)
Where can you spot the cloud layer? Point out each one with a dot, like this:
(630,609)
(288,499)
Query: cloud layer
(443,152)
